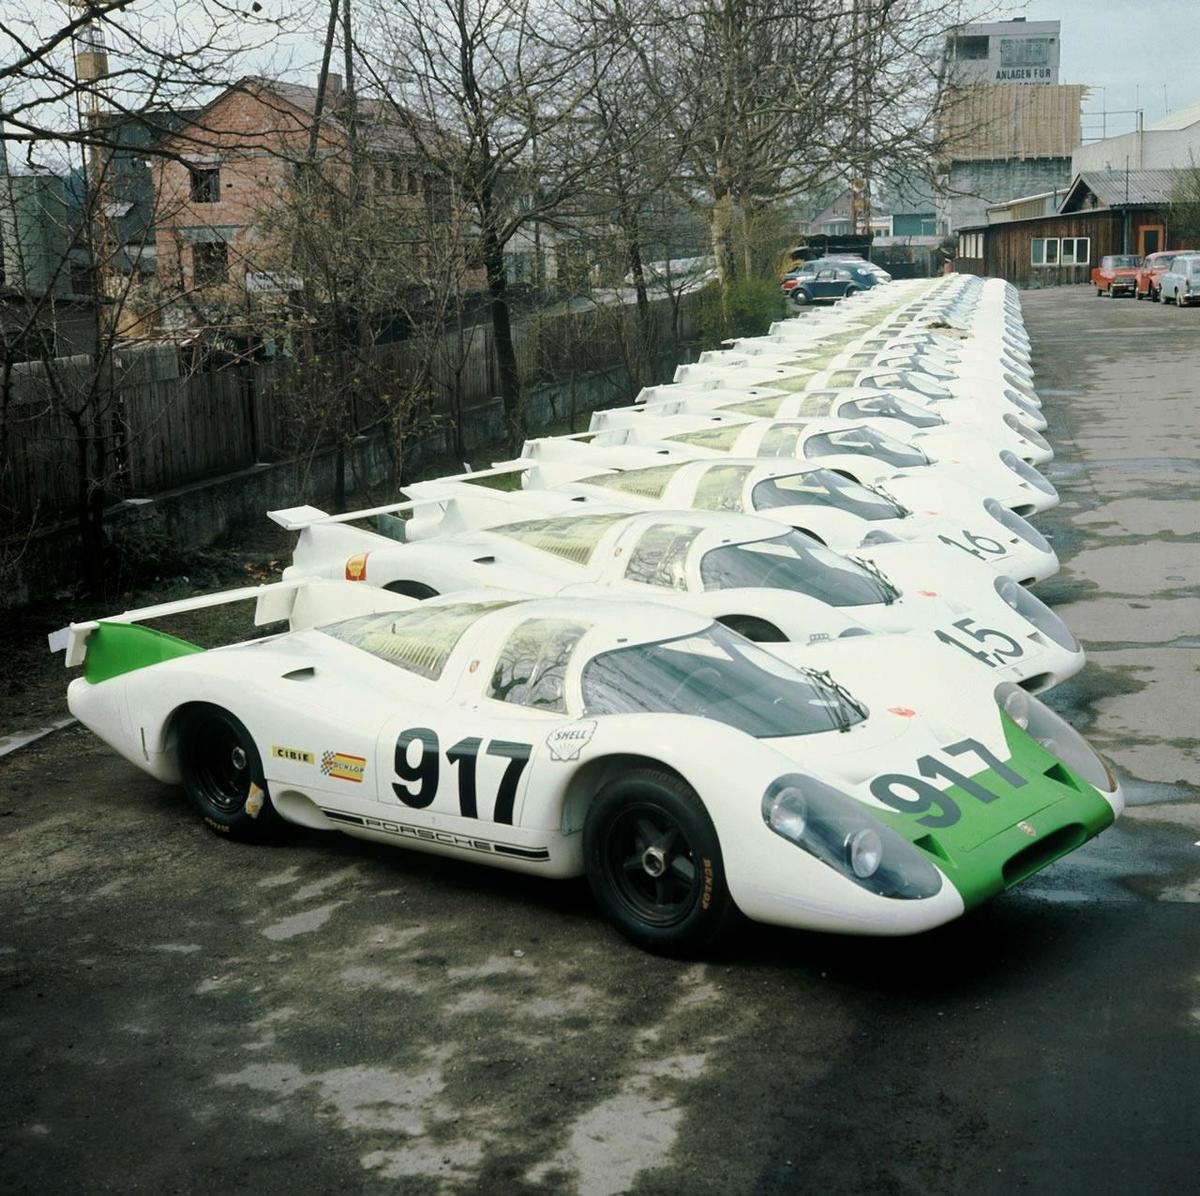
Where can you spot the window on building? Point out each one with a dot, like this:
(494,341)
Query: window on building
(971,47)
(1076,251)
(205,184)
(1037,251)
(210,263)
(1051,251)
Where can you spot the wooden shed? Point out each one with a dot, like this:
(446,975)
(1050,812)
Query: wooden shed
(1103,212)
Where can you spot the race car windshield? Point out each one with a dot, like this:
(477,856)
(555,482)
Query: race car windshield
(823,488)
(715,674)
(890,406)
(866,442)
(793,562)
(926,385)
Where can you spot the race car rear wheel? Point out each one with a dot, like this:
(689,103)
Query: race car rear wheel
(654,865)
(223,774)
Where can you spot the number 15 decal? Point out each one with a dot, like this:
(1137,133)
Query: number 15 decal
(424,774)
(1003,647)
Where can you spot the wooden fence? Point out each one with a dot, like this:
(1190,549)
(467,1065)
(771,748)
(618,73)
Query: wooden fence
(163,426)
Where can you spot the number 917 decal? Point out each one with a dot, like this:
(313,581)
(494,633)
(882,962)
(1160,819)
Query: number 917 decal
(996,650)
(915,795)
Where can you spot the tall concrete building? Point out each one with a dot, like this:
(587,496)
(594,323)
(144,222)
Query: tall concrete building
(1008,127)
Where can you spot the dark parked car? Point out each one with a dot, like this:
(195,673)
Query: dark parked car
(832,283)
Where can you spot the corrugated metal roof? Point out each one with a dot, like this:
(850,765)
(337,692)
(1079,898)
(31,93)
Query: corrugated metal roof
(1115,188)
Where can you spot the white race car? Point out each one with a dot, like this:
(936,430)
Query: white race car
(683,770)
(811,498)
(940,432)
(770,584)
(856,449)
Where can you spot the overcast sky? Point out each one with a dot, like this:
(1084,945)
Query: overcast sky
(1122,46)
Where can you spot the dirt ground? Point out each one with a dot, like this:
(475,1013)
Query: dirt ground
(179,1013)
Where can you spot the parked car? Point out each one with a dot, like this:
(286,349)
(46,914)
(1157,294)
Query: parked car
(1181,283)
(682,769)
(832,283)
(1116,274)
(792,278)
(1150,272)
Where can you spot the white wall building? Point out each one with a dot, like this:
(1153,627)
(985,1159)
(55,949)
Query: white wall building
(1017,51)
(1171,142)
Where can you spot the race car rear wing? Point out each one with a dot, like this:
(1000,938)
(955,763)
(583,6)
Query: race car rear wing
(119,644)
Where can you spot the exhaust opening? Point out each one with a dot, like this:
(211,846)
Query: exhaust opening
(1037,855)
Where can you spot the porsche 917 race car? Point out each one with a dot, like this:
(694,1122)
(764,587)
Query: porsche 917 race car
(684,771)
(811,498)
(856,449)
(770,584)
(920,422)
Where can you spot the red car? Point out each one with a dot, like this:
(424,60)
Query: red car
(1116,274)
(1150,272)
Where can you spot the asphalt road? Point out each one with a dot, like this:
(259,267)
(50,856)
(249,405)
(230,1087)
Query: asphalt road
(179,1013)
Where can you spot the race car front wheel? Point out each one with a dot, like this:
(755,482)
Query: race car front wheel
(654,863)
(223,774)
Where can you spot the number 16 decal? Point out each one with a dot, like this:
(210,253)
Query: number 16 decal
(424,774)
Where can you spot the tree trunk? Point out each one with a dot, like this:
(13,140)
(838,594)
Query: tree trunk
(721,232)
(511,394)
(644,350)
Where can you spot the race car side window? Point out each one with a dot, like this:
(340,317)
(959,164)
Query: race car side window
(571,539)
(418,640)
(650,482)
(531,669)
(757,407)
(780,440)
(721,438)
(722,488)
(660,556)
(867,442)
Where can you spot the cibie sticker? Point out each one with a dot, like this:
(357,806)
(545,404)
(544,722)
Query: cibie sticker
(565,743)
(298,755)
(342,767)
(356,567)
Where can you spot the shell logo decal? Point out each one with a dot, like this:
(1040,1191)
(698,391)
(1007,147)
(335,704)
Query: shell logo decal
(356,567)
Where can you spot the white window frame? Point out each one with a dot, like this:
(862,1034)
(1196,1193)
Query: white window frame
(1054,252)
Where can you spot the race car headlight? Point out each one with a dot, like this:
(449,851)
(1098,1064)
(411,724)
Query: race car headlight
(1026,432)
(1026,473)
(1055,734)
(842,834)
(1021,402)
(878,536)
(1034,610)
(1015,524)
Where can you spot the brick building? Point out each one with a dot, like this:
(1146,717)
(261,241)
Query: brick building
(236,157)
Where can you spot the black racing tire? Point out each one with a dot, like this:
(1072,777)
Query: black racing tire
(221,768)
(653,862)
(411,589)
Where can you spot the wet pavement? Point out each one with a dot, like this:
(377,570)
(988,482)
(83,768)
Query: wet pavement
(179,1013)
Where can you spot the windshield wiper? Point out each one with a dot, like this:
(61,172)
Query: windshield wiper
(879,489)
(888,591)
(842,721)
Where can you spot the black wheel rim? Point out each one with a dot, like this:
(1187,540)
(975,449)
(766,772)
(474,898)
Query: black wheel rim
(651,865)
(220,766)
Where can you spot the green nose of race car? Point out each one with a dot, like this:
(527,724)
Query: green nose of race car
(989,831)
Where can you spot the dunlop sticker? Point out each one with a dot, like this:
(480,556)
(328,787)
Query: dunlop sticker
(343,767)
